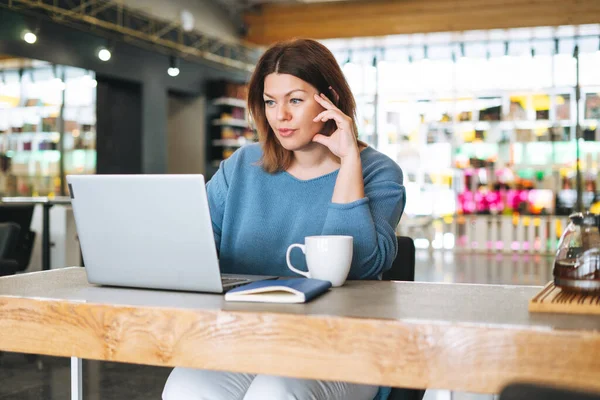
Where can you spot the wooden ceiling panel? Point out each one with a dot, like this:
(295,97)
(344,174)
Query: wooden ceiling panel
(379,18)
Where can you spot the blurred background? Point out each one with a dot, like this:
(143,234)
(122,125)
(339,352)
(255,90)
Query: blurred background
(490,107)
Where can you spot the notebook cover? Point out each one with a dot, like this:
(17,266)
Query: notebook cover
(296,290)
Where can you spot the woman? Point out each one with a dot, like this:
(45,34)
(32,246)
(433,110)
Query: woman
(308,176)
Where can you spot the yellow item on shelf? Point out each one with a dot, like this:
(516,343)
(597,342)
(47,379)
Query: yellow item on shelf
(468,136)
(541,102)
(522,100)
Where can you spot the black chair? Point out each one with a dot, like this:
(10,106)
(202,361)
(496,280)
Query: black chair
(9,236)
(403,269)
(20,214)
(527,391)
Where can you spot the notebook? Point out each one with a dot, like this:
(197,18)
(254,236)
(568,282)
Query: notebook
(297,290)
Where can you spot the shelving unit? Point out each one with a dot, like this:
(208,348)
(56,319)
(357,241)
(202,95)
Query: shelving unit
(47,128)
(240,123)
(230,142)
(227,101)
(228,125)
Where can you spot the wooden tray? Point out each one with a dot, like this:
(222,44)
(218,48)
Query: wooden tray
(553,299)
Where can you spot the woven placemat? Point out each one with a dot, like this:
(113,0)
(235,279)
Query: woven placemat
(553,299)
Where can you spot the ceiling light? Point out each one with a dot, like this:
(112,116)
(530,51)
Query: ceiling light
(104,54)
(29,37)
(173,66)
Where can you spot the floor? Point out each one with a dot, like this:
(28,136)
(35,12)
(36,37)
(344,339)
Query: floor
(48,378)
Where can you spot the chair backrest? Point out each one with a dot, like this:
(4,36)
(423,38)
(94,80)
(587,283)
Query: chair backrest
(526,391)
(403,267)
(9,236)
(21,214)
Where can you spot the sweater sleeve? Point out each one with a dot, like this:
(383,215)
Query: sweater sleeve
(371,221)
(216,189)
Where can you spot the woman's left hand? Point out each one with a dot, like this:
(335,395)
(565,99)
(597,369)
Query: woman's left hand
(342,142)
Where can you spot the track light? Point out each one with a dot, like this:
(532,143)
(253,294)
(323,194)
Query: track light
(29,36)
(30,33)
(173,66)
(104,54)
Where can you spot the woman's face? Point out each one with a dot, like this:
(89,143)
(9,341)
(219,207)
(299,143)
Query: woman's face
(290,108)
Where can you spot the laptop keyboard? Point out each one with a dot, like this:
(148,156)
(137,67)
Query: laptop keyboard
(233,281)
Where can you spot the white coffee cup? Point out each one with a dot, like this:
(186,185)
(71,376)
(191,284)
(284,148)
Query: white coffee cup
(327,257)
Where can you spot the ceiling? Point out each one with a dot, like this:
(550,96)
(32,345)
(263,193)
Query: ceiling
(249,4)
(236,8)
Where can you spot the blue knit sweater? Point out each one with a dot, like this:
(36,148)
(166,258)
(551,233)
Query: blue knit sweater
(257,215)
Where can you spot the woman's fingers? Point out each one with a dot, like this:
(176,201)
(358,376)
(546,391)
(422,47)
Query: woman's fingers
(325,102)
(324,140)
(338,116)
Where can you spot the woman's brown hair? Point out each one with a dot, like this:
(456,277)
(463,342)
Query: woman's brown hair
(310,61)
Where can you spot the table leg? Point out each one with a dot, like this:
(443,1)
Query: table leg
(76,379)
(46,237)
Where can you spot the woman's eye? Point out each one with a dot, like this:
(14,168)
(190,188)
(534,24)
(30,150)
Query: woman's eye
(269,103)
(296,101)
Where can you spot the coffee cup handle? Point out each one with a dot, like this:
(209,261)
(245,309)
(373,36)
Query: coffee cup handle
(289,264)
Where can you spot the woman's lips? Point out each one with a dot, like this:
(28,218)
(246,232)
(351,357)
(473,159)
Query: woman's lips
(286,132)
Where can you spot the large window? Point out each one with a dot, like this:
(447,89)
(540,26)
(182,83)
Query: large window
(496,105)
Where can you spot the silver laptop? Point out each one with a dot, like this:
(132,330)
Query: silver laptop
(148,231)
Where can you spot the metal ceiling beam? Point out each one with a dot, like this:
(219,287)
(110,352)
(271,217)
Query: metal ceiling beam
(136,27)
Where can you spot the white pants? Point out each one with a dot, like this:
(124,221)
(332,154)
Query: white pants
(196,384)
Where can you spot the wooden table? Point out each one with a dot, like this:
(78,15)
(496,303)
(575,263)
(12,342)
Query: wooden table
(474,338)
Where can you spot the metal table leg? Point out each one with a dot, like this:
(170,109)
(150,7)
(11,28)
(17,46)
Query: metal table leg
(76,379)
(46,237)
